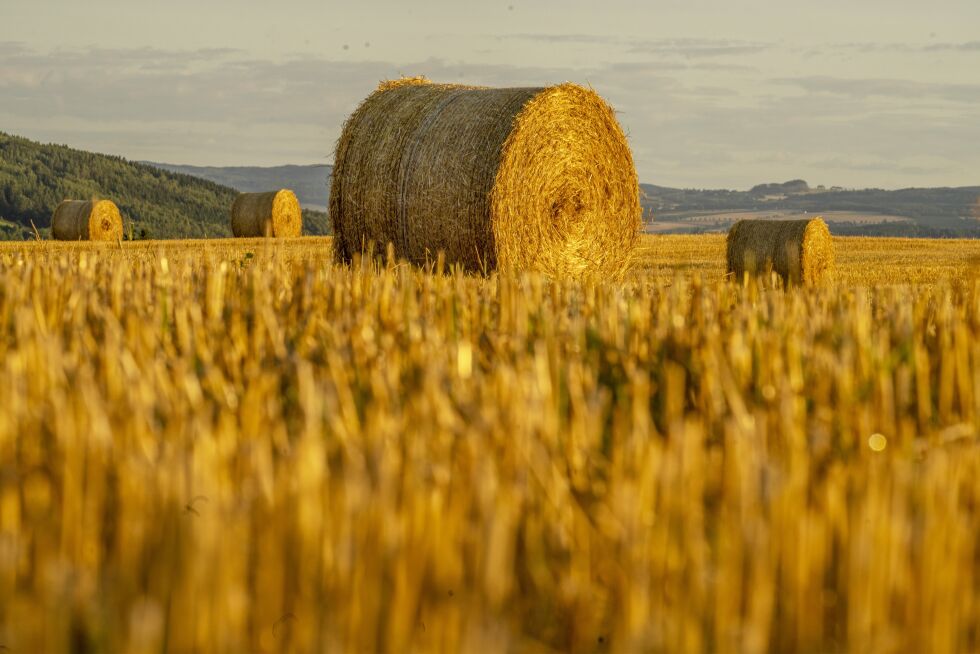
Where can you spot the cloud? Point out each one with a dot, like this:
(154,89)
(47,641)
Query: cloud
(581,39)
(699,48)
(210,101)
(905,90)
(912,48)
(910,165)
(10,48)
(970,46)
(686,48)
(223,107)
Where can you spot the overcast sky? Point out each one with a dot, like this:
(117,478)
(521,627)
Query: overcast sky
(712,93)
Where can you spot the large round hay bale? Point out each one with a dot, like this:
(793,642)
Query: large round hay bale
(799,251)
(537,179)
(276,213)
(92,220)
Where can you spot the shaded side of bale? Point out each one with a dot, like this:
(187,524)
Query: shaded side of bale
(87,220)
(275,214)
(522,178)
(799,251)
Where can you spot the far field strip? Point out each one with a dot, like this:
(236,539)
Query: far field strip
(658,258)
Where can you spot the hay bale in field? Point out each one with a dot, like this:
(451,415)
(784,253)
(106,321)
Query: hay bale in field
(537,179)
(92,220)
(276,213)
(799,251)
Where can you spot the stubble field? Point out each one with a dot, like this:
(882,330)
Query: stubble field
(228,446)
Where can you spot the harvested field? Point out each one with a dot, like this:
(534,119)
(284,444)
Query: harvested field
(235,445)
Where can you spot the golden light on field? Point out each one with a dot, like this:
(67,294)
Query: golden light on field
(237,446)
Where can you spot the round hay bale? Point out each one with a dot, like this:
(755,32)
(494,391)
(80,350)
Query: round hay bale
(799,251)
(276,213)
(92,220)
(536,179)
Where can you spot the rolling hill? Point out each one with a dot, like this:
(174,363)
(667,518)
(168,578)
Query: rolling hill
(926,212)
(174,201)
(310,183)
(35,178)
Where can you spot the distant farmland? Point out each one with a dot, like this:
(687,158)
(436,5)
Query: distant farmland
(693,221)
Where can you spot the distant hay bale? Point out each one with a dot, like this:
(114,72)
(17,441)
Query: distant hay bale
(799,251)
(92,220)
(536,179)
(276,214)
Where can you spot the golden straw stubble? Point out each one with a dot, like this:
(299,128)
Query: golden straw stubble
(87,220)
(203,455)
(275,213)
(799,251)
(528,179)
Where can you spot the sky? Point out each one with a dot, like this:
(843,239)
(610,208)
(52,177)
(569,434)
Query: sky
(711,93)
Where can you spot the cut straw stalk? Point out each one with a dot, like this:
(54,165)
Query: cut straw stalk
(537,179)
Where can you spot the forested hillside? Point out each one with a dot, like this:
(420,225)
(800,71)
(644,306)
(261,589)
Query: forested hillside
(35,178)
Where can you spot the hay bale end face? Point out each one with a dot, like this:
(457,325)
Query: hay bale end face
(799,251)
(536,179)
(92,220)
(276,213)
